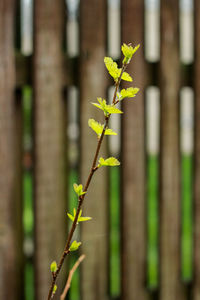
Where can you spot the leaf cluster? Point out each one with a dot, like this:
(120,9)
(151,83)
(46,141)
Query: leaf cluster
(80,218)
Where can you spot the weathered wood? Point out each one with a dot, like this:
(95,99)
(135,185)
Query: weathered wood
(133,162)
(196,260)
(92,84)
(8,240)
(170,209)
(49,152)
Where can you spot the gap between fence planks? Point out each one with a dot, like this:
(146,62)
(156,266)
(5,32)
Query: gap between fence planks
(196,260)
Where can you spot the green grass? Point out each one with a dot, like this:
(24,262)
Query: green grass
(114,231)
(29,280)
(28,205)
(187,217)
(28,233)
(152,221)
(28,219)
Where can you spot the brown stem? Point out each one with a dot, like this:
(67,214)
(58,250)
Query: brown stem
(81,198)
(69,279)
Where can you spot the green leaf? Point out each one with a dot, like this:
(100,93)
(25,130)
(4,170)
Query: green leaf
(54,288)
(80,219)
(111,109)
(74,246)
(78,189)
(102,104)
(128,52)
(126,77)
(127,93)
(112,67)
(111,161)
(107,109)
(110,132)
(114,71)
(98,128)
(53,267)
(71,217)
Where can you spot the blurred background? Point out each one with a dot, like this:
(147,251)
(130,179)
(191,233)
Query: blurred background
(143,241)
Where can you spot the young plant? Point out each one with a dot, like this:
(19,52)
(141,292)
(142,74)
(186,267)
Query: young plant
(101,130)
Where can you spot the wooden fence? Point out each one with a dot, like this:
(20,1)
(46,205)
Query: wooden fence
(50,73)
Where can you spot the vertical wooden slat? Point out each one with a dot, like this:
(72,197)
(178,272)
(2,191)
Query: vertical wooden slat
(8,243)
(49,155)
(170,256)
(92,84)
(133,159)
(196,260)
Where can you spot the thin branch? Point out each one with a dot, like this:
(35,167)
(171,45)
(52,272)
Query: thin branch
(81,198)
(69,279)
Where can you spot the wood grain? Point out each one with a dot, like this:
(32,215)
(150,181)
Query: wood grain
(94,276)
(133,205)
(49,142)
(170,207)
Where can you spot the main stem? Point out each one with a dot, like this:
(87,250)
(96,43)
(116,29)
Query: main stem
(81,198)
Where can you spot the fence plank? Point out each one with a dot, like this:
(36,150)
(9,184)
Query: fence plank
(133,163)
(9,245)
(170,209)
(49,179)
(196,259)
(92,85)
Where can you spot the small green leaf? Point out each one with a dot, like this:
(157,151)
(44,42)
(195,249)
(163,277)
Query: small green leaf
(110,132)
(127,93)
(80,219)
(111,161)
(126,77)
(102,104)
(74,246)
(54,288)
(111,109)
(98,128)
(71,217)
(114,71)
(78,189)
(128,52)
(112,67)
(107,109)
(53,267)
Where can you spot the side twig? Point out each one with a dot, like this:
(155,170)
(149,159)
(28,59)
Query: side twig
(69,279)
